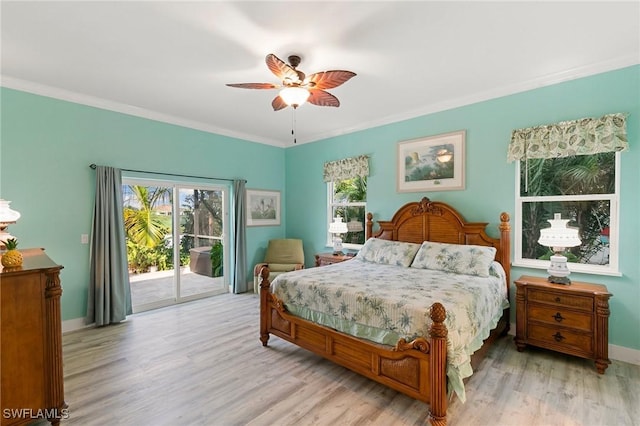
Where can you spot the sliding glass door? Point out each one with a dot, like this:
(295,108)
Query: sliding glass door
(201,233)
(176,245)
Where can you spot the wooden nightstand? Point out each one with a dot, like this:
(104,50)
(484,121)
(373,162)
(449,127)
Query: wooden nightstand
(573,319)
(323,259)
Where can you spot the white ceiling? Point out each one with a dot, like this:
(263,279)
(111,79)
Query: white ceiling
(170,61)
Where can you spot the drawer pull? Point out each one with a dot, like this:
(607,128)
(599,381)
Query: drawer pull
(558,337)
(558,317)
(558,299)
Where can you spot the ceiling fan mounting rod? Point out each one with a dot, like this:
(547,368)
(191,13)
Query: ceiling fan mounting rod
(294,60)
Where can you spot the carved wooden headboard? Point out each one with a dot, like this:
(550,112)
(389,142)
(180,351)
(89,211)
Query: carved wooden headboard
(436,221)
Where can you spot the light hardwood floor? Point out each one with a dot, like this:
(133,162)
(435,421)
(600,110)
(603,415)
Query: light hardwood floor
(201,363)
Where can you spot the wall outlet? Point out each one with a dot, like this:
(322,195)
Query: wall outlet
(84,239)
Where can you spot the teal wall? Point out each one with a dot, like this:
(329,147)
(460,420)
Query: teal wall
(490,180)
(47,146)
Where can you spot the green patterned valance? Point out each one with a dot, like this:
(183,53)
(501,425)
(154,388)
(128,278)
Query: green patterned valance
(346,168)
(578,137)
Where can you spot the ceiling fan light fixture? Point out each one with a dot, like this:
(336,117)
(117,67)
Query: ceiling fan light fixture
(294,96)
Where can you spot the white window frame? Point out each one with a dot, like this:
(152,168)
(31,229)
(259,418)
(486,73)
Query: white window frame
(330,206)
(614,241)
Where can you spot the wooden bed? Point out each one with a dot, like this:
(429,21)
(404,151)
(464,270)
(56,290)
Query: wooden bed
(416,368)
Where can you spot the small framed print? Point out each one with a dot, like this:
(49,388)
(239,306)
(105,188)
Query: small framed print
(263,207)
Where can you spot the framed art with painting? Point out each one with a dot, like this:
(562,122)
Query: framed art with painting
(434,163)
(263,207)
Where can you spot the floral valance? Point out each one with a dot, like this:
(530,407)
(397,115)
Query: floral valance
(585,136)
(347,168)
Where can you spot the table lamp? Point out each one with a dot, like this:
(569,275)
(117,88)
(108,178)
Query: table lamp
(337,227)
(558,238)
(7,217)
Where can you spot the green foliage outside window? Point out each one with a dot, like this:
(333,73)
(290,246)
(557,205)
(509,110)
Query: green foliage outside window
(578,187)
(346,193)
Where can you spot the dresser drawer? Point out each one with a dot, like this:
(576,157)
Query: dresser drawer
(555,316)
(573,301)
(553,337)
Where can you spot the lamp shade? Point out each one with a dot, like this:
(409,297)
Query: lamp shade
(338,226)
(7,217)
(294,96)
(6,214)
(559,234)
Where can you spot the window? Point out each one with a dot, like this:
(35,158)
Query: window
(347,198)
(582,188)
(571,168)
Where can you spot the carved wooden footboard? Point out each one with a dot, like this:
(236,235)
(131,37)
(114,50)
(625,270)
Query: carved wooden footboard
(416,368)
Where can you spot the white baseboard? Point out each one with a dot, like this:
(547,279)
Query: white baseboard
(620,353)
(75,324)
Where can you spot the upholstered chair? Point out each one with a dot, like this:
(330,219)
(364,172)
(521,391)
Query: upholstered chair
(283,255)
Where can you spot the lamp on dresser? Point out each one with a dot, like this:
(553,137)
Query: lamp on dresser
(559,237)
(7,217)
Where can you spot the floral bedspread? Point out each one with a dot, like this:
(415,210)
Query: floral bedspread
(384,303)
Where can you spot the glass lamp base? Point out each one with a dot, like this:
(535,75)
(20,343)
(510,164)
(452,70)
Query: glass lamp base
(559,280)
(337,246)
(558,271)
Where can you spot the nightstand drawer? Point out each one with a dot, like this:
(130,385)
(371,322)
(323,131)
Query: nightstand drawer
(557,316)
(570,300)
(556,336)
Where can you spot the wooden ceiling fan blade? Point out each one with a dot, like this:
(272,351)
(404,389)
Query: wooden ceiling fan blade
(254,85)
(322,98)
(278,103)
(329,79)
(280,68)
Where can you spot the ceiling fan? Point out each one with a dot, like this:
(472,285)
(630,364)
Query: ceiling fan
(297,88)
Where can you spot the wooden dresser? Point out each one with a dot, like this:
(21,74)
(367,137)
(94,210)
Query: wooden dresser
(573,319)
(31,342)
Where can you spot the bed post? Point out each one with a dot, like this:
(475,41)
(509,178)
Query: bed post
(505,246)
(264,305)
(438,366)
(369,226)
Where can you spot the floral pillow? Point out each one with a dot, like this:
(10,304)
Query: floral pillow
(456,258)
(388,252)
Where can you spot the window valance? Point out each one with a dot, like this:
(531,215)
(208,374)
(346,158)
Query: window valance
(585,136)
(347,168)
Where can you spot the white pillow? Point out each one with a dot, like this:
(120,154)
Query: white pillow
(388,252)
(456,258)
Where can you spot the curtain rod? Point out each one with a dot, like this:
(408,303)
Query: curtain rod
(93,166)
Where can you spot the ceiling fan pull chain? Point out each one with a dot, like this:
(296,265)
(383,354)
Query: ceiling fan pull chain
(293,125)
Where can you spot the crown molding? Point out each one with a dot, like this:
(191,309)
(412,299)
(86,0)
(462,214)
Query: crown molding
(548,80)
(92,101)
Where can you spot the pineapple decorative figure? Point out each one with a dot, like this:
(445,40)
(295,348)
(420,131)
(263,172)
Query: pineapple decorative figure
(12,257)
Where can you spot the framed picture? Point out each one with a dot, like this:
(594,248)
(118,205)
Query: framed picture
(434,163)
(263,207)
